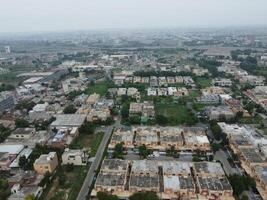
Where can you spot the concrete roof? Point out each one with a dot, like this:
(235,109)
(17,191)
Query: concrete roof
(69,120)
(11,148)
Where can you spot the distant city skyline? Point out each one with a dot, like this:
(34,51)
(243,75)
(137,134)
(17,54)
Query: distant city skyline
(69,15)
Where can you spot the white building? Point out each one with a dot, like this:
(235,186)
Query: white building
(74,156)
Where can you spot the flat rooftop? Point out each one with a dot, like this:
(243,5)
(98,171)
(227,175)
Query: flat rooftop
(216,184)
(145,166)
(144,181)
(176,167)
(69,120)
(11,148)
(114,165)
(208,168)
(110,179)
(251,155)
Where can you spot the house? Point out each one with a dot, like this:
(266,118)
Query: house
(122,91)
(7,101)
(74,156)
(92,99)
(23,133)
(39,112)
(98,114)
(146,109)
(68,121)
(46,163)
(151,91)
(219,113)
(19,192)
(222,82)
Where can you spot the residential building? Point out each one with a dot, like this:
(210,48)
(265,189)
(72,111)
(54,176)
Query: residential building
(7,101)
(74,156)
(46,163)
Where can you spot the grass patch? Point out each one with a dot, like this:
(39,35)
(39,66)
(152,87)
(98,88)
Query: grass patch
(175,113)
(91,141)
(96,142)
(83,140)
(203,82)
(198,106)
(250,120)
(70,189)
(99,88)
(194,94)
(78,174)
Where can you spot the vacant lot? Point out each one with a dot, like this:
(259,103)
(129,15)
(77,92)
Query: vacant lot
(68,190)
(176,113)
(203,82)
(99,88)
(90,141)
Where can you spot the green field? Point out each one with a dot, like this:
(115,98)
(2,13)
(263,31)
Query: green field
(71,187)
(176,113)
(91,141)
(99,88)
(96,142)
(194,94)
(199,106)
(203,82)
(11,76)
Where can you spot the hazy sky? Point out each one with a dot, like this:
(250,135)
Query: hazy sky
(56,15)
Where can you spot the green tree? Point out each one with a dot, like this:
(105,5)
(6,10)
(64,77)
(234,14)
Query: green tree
(143,151)
(106,196)
(4,133)
(215,147)
(25,104)
(161,120)
(144,196)
(241,183)
(118,150)
(136,119)
(70,109)
(22,161)
(21,123)
(216,130)
(87,128)
(29,197)
(45,180)
(4,189)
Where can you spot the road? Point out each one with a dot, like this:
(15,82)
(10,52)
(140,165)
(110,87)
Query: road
(220,155)
(96,163)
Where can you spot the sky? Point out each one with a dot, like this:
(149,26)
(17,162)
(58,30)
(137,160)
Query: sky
(71,15)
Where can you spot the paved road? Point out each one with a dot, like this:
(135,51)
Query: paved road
(96,163)
(220,155)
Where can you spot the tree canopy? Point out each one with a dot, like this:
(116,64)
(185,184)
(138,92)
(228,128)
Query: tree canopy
(106,196)
(144,195)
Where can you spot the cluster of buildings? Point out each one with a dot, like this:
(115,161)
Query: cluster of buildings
(144,109)
(169,179)
(7,101)
(258,95)
(251,149)
(131,92)
(188,139)
(96,108)
(153,81)
(169,91)
(241,75)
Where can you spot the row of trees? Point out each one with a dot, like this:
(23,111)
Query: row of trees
(4,189)
(6,87)
(135,196)
(4,133)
